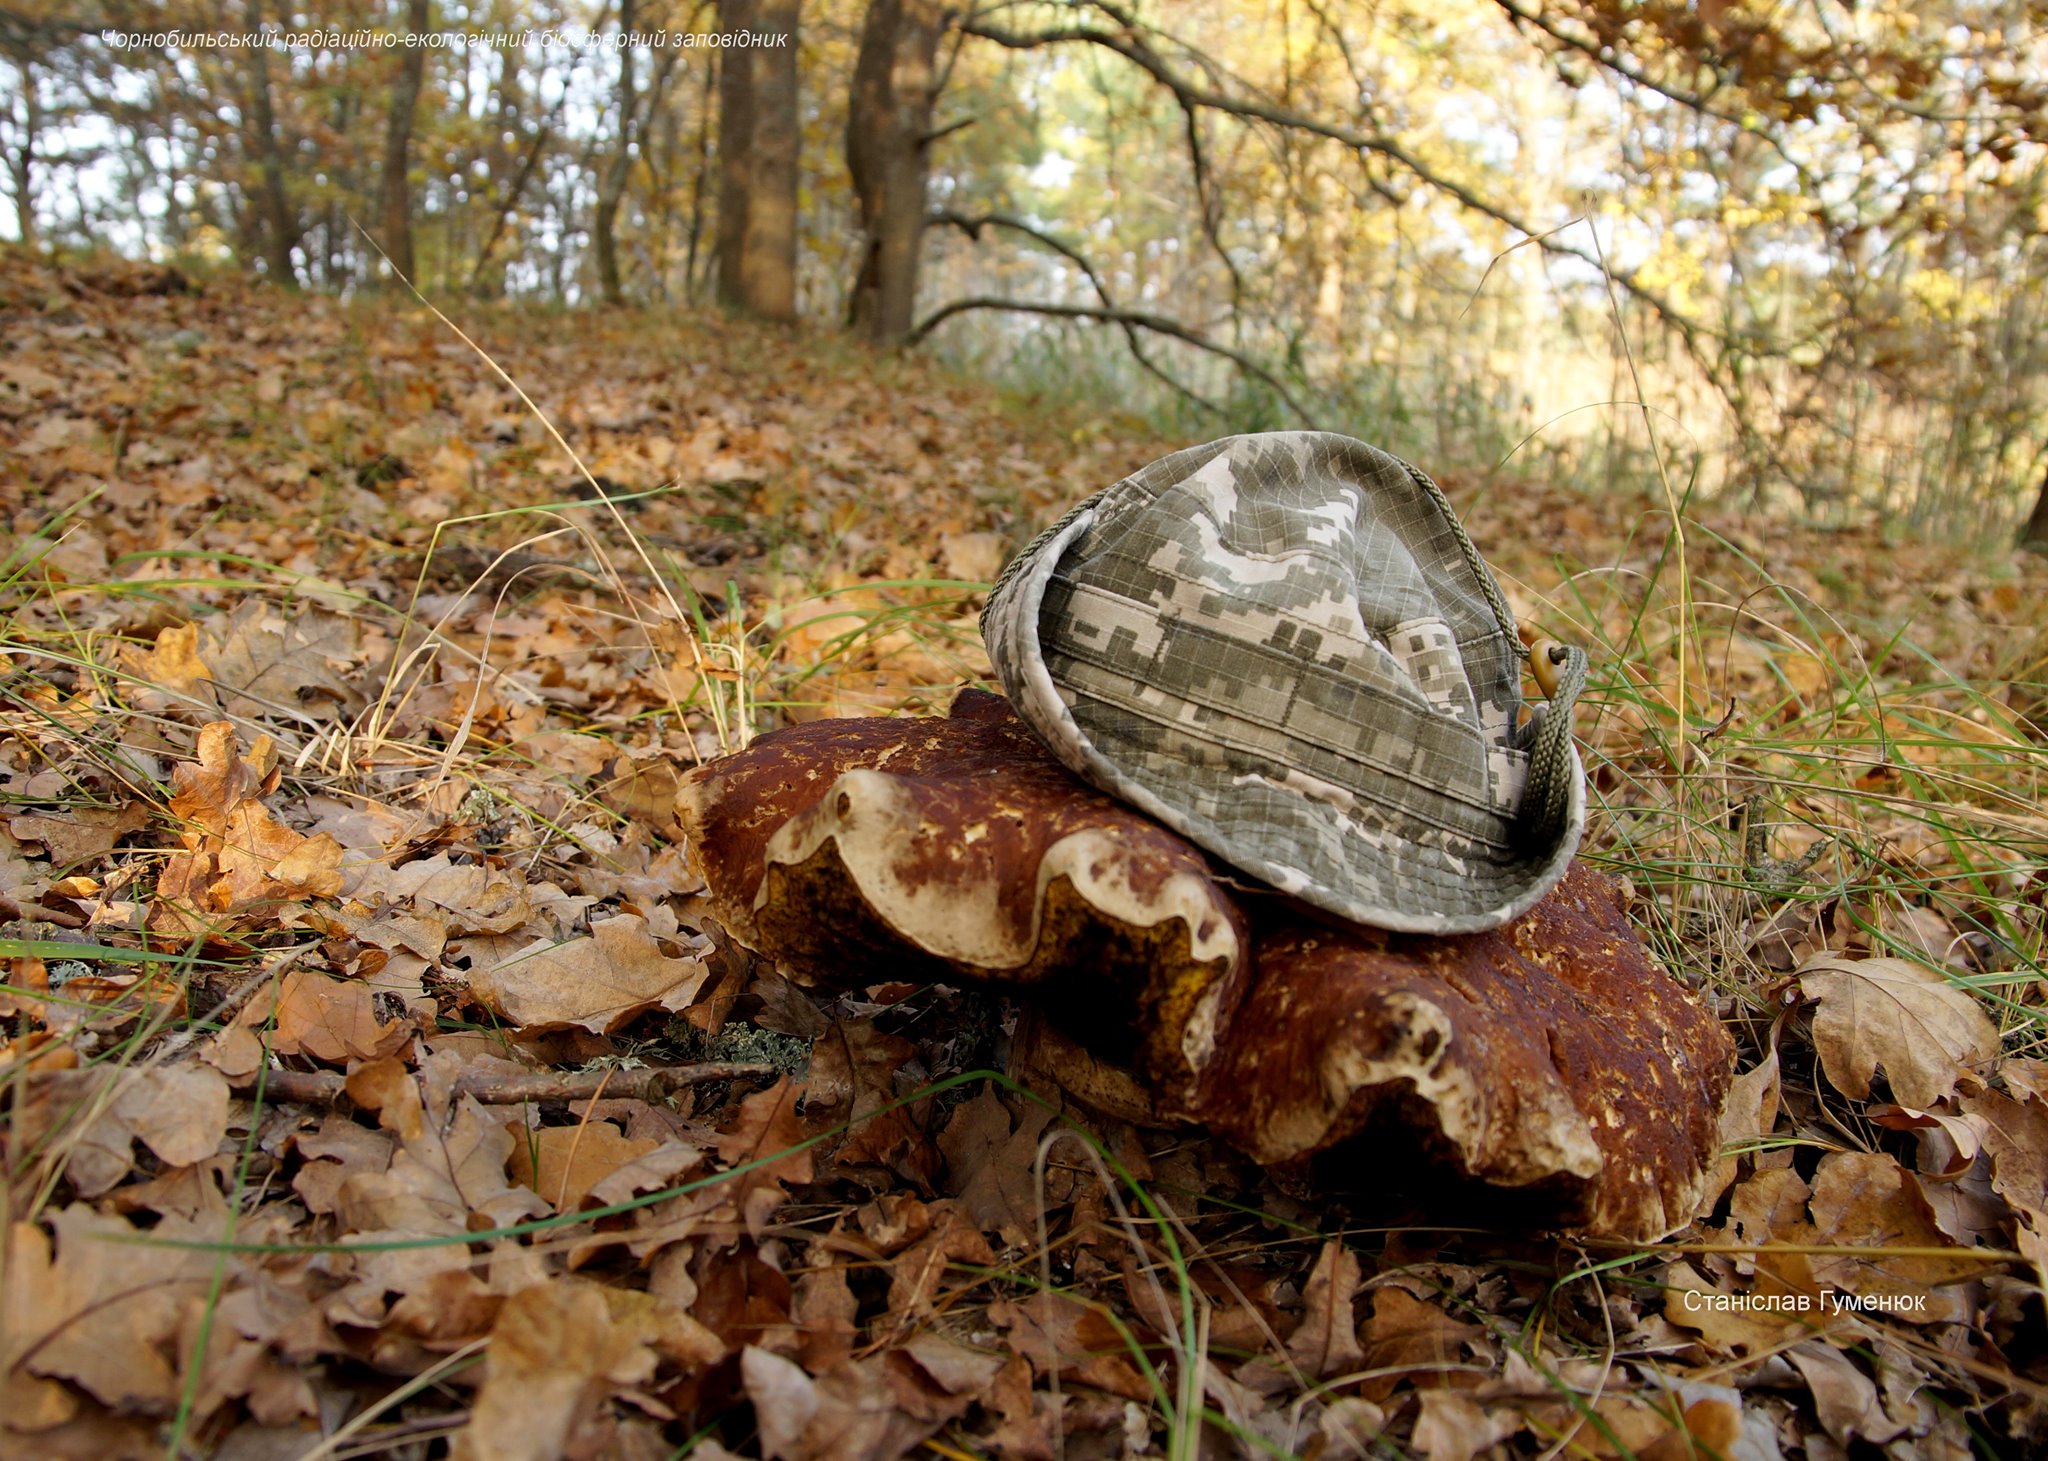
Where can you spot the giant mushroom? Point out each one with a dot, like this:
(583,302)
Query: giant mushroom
(1551,1058)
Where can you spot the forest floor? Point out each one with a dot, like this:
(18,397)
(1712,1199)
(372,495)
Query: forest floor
(347,937)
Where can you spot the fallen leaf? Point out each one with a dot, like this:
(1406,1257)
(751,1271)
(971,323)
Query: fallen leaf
(555,1354)
(1026,1430)
(766,1139)
(990,1165)
(450,1162)
(1866,1200)
(2016,1140)
(80,835)
(340,1149)
(331,1020)
(853,1083)
(263,660)
(1061,1335)
(562,1163)
(1407,1336)
(918,1274)
(1327,1341)
(1454,1428)
(175,664)
(1739,1320)
(1921,1029)
(1750,1114)
(872,1410)
(237,854)
(785,1403)
(177,1111)
(1958,1138)
(824,1309)
(1843,1396)
(598,983)
(96,1308)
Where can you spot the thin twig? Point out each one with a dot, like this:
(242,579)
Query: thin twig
(653,1083)
(1158,324)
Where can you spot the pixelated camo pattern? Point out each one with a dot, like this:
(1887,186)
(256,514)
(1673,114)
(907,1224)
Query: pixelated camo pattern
(1276,645)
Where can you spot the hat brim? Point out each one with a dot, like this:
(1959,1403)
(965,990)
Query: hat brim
(1345,859)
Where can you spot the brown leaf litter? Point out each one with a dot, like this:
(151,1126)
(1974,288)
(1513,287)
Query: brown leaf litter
(456,1116)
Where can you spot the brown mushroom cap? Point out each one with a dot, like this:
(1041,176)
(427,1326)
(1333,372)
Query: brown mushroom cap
(1551,1056)
(856,850)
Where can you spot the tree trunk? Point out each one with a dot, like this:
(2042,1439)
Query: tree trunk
(2034,533)
(757,137)
(21,163)
(698,179)
(888,141)
(611,184)
(395,192)
(280,228)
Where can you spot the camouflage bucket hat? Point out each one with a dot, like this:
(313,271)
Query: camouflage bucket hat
(1285,648)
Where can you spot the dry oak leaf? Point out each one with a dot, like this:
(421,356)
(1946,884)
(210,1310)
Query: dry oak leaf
(1844,1397)
(263,659)
(876,1409)
(1061,1335)
(853,1081)
(1452,1427)
(2016,1140)
(1406,1335)
(1866,1200)
(557,1352)
(660,1167)
(96,1309)
(1739,1321)
(236,1052)
(767,1139)
(597,983)
(1327,1341)
(991,1168)
(917,1275)
(1649,1429)
(1948,1143)
(80,836)
(469,899)
(340,1149)
(175,664)
(179,1112)
(1025,1433)
(449,1167)
(236,852)
(331,1020)
(823,1308)
(562,1163)
(1887,1012)
(1749,1114)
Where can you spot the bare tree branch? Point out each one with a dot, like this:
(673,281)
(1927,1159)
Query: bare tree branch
(972,227)
(651,1083)
(527,164)
(1140,54)
(1157,324)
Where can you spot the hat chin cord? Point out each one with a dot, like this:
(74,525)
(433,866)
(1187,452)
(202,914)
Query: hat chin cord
(1547,789)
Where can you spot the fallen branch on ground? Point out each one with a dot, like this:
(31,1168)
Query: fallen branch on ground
(653,1083)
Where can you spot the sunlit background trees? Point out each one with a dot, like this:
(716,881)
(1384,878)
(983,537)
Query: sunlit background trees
(1807,236)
